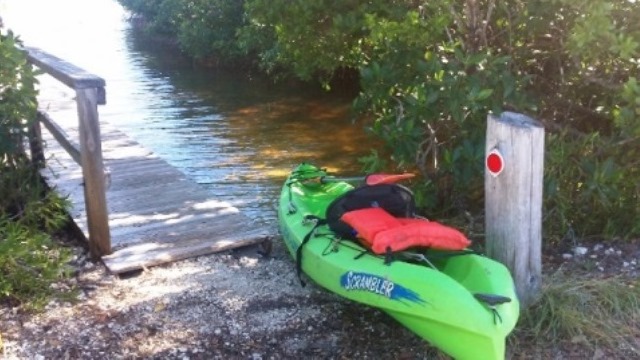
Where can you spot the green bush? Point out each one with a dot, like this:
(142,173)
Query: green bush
(29,259)
(427,89)
(310,38)
(17,99)
(29,214)
(591,185)
(585,71)
(205,29)
(209,29)
(29,262)
(431,71)
(160,16)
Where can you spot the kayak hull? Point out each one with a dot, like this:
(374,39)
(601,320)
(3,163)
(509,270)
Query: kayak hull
(437,304)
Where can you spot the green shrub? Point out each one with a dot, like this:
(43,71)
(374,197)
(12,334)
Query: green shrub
(160,16)
(431,71)
(205,29)
(591,185)
(208,29)
(432,113)
(29,214)
(310,38)
(25,199)
(17,99)
(29,259)
(29,262)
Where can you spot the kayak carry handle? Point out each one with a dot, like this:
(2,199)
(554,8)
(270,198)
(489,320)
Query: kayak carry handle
(371,179)
(375,179)
(492,299)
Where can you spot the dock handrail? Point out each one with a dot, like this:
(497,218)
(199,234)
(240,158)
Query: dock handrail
(90,92)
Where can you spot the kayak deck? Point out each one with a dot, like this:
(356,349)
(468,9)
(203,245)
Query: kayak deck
(437,303)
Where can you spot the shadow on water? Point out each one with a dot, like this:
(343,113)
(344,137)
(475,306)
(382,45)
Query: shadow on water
(238,134)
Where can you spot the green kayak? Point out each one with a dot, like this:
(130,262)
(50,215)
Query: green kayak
(461,302)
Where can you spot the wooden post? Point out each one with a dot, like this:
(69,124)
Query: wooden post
(89,93)
(35,143)
(93,172)
(513,199)
(34,133)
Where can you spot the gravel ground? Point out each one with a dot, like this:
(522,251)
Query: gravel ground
(233,305)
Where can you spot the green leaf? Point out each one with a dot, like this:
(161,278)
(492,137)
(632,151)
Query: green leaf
(484,94)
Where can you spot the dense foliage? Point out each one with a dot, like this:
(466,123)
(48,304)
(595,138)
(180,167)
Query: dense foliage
(17,100)
(430,71)
(205,29)
(29,259)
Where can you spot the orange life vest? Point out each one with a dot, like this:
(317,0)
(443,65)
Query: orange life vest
(381,232)
(368,222)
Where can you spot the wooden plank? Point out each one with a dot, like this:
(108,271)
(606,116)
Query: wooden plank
(151,200)
(121,183)
(67,73)
(156,214)
(151,254)
(140,195)
(63,139)
(178,199)
(135,167)
(217,222)
(174,216)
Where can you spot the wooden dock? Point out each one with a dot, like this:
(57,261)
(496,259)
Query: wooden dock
(156,214)
(134,208)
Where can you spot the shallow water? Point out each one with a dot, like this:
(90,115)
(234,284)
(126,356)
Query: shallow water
(237,135)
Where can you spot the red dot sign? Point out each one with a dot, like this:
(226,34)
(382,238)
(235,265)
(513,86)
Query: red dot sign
(495,162)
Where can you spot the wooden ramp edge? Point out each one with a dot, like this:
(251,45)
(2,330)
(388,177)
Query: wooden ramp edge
(156,214)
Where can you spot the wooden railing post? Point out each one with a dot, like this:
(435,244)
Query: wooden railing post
(89,93)
(513,199)
(35,143)
(93,172)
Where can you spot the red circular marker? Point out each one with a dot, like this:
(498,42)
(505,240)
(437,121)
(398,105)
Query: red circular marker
(495,162)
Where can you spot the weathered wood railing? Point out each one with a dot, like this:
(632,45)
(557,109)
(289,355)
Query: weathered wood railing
(87,153)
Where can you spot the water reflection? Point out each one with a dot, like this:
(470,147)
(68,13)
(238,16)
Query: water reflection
(236,134)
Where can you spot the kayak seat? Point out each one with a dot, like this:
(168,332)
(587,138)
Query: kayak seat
(394,199)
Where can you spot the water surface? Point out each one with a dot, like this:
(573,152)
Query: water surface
(236,134)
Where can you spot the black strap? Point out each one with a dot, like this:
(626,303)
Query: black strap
(493,300)
(444,254)
(319,222)
(332,246)
(496,316)
(362,253)
(388,256)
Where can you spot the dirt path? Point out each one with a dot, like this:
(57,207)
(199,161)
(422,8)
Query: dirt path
(236,305)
